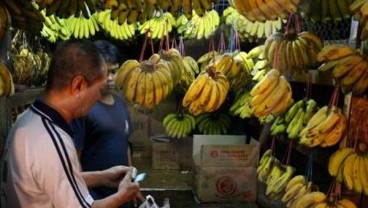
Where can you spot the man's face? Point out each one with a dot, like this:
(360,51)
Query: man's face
(92,93)
(109,87)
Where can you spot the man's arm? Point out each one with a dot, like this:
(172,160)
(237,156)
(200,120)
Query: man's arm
(127,191)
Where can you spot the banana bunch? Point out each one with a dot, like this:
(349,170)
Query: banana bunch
(121,32)
(206,59)
(360,10)
(250,30)
(159,25)
(349,68)
(272,95)
(241,107)
(65,8)
(24,15)
(4,20)
(6,82)
(261,64)
(325,128)
(179,125)
(309,199)
(207,92)
(256,10)
(198,27)
(213,123)
(326,10)
(295,119)
(129,10)
(145,84)
(42,62)
(293,52)
(55,28)
(350,168)
(236,67)
(341,203)
(82,27)
(274,175)
(23,64)
(191,69)
(173,59)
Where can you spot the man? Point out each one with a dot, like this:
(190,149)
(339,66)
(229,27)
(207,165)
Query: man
(41,167)
(101,138)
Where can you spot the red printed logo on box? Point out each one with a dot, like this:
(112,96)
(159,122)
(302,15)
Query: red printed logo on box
(226,186)
(214,153)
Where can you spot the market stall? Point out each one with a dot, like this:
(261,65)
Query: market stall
(276,88)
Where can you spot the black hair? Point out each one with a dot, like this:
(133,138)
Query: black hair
(72,58)
(109,51)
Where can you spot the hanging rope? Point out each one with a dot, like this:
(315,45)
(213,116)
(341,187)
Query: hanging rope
(287,155)
(141,56)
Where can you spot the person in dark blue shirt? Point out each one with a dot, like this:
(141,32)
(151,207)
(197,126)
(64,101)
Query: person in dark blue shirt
(101,138)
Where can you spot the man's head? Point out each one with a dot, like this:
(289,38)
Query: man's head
(111,55)
(76,75)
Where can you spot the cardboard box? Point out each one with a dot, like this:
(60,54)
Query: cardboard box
(229,155)
(225,168)
(173,155)
(219,184)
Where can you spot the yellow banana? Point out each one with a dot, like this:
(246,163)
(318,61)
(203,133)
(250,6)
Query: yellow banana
(337,158)
(141,90)
(310,199)
(129,88)
(334,51)
(347,171)
(195,89)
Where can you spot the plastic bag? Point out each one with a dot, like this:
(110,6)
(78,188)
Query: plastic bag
(150,203)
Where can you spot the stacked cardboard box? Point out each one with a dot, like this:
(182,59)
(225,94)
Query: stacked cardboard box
(226,172)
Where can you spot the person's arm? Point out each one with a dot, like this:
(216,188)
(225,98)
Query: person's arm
(109,178)
(127,191)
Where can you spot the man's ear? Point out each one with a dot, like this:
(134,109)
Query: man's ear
(78,84)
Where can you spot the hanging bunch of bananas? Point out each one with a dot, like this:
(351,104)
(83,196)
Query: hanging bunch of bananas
(255,10)
(82,27)
(145,84)
(293,52)
(198,26)
(42,62)
(326,10)
(4,20)
(207,92)
(332,202)
(6,82)
(191,69)
(274,175)
(360,10)
(262,65)
(124,31)
(295,119)
(129,10)
(179,125)
(296,187)
(213,123)
(65,8)
(24,15)
(207,58)
(349,68)
(272,95)
(173,59)
(55,28)
(350,168)
(23,64)
(250,30)
(159,25)
(305,196)
(241,107)
(236,67)
(325,128)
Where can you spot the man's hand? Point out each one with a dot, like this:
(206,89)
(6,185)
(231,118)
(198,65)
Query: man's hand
(128,188)
(113,176)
